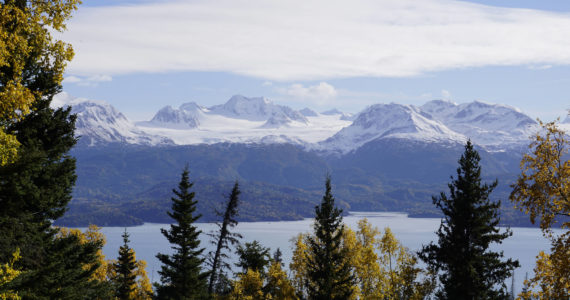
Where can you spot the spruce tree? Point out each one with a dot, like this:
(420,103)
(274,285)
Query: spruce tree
(34,191)
(329,270)
(125,276)
(223,239)
(66,272)
(181,274)
(468,269)
(253,257)
(36,188)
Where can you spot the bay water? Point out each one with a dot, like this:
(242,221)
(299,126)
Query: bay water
(147,239)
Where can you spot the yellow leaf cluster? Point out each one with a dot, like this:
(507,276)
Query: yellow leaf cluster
(542,190)
(92,234)
(7,274)
(543,187)
(26,43)
(384,268)
(248,287)
(278,285)
(254,285)
(298,265)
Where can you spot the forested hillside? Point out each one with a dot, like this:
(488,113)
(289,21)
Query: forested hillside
(122,184)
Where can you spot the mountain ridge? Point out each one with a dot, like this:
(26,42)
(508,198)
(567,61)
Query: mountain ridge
(495,127)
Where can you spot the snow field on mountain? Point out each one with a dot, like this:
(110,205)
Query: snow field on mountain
(494,127)
(218,129)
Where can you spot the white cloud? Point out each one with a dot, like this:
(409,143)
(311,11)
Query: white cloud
(93,80)
(313,40)
(539,67)
(267,83)
(99,78)
(322,91)
(72,79)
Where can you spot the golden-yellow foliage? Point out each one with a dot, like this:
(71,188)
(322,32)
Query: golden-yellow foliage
(256,286)
(7,274)
(298,265)
(278,285)
(105,271)
(92,234)
(248,287)
(542,190)
(384,268)
(25,38)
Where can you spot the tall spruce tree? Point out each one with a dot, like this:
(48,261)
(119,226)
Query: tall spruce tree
(329,269)
(36,188)
(253,256)
(125,276)
(223,238)
(181,274)
(468,269)
(34,191)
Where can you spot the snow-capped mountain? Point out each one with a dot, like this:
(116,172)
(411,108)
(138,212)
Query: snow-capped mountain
(343,116)
(188,115)
(241,120)
(277,120)
(255,109)
(100,123)
(491,125)
(494,127)
(381,121)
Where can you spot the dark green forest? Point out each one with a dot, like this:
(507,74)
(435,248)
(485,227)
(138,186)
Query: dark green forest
(124,185)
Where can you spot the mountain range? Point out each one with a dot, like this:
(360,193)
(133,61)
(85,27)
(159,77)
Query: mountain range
(388,157)
(493,127)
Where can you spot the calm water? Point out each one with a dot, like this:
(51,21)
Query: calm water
(147,240)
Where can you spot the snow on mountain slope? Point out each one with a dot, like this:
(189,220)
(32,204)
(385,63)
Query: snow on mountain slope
(277,119)
(188,115)
(255,109)
(257,120)
(242,120)
(389,121)
(99,123)
(343,115)
(215,128)
(494,126)
(331,112)
(307,112)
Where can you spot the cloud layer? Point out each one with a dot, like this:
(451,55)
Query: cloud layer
(322,91)
(313,40)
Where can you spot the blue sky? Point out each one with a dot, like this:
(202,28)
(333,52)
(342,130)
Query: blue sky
(142,55)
